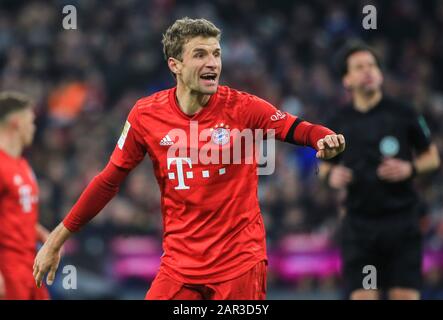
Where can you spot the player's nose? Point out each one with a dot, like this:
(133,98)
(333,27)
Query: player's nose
(211,63)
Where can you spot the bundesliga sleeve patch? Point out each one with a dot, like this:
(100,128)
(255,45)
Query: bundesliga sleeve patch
(121,141)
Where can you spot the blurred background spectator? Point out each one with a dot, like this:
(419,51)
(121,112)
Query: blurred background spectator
(85,81)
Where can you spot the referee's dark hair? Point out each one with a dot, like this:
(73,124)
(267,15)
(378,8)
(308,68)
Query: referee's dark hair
(11,101)
(350,48)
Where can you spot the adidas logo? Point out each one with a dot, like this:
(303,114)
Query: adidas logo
(166,141)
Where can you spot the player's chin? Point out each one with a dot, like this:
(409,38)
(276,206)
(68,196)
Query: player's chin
(29,141)
(371,88)
(209,89)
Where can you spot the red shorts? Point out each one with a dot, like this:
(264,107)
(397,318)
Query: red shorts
(20,288)
(249,286)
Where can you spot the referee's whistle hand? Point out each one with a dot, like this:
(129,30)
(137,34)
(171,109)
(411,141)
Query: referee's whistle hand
(330,146)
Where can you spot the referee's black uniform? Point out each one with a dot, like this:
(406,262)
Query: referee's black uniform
(381,226)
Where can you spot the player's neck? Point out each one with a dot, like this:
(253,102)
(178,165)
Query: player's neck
(190,102)
(10,145)
(365,102)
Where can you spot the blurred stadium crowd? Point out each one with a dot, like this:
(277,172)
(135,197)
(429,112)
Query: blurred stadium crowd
(85,81)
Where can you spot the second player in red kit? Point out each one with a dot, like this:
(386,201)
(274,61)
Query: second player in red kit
(20,230)
(214,237)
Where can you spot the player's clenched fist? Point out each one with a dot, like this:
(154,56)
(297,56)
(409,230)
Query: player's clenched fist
(330,146)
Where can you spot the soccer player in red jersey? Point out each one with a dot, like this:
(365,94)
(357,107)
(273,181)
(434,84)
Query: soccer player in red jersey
(213,233)
(19,227)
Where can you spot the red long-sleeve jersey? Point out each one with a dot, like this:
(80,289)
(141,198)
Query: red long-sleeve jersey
(213,229)
(18,216)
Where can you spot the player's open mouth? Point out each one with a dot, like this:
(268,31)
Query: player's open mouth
(209,77)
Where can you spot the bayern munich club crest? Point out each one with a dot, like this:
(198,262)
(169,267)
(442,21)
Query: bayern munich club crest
(220,134)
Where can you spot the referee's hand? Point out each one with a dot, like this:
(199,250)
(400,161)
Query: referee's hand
(394,170)
(330,146)
(339,177)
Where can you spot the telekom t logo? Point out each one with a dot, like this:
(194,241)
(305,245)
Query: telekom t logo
(180,162)
(180,176)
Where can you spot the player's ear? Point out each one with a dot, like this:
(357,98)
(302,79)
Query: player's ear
(174,65)
(13,120)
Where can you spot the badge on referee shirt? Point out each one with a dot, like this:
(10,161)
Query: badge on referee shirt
(389,146)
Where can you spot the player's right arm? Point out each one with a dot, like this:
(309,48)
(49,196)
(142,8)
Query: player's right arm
(130,150)
(2,279)
(48,257)
(93,199)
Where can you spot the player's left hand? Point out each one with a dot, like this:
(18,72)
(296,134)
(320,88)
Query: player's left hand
(394,170)
(330,146)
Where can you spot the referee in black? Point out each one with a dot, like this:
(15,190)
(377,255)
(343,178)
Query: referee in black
(388,144)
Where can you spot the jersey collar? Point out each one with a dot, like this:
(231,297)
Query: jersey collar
(176,109)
